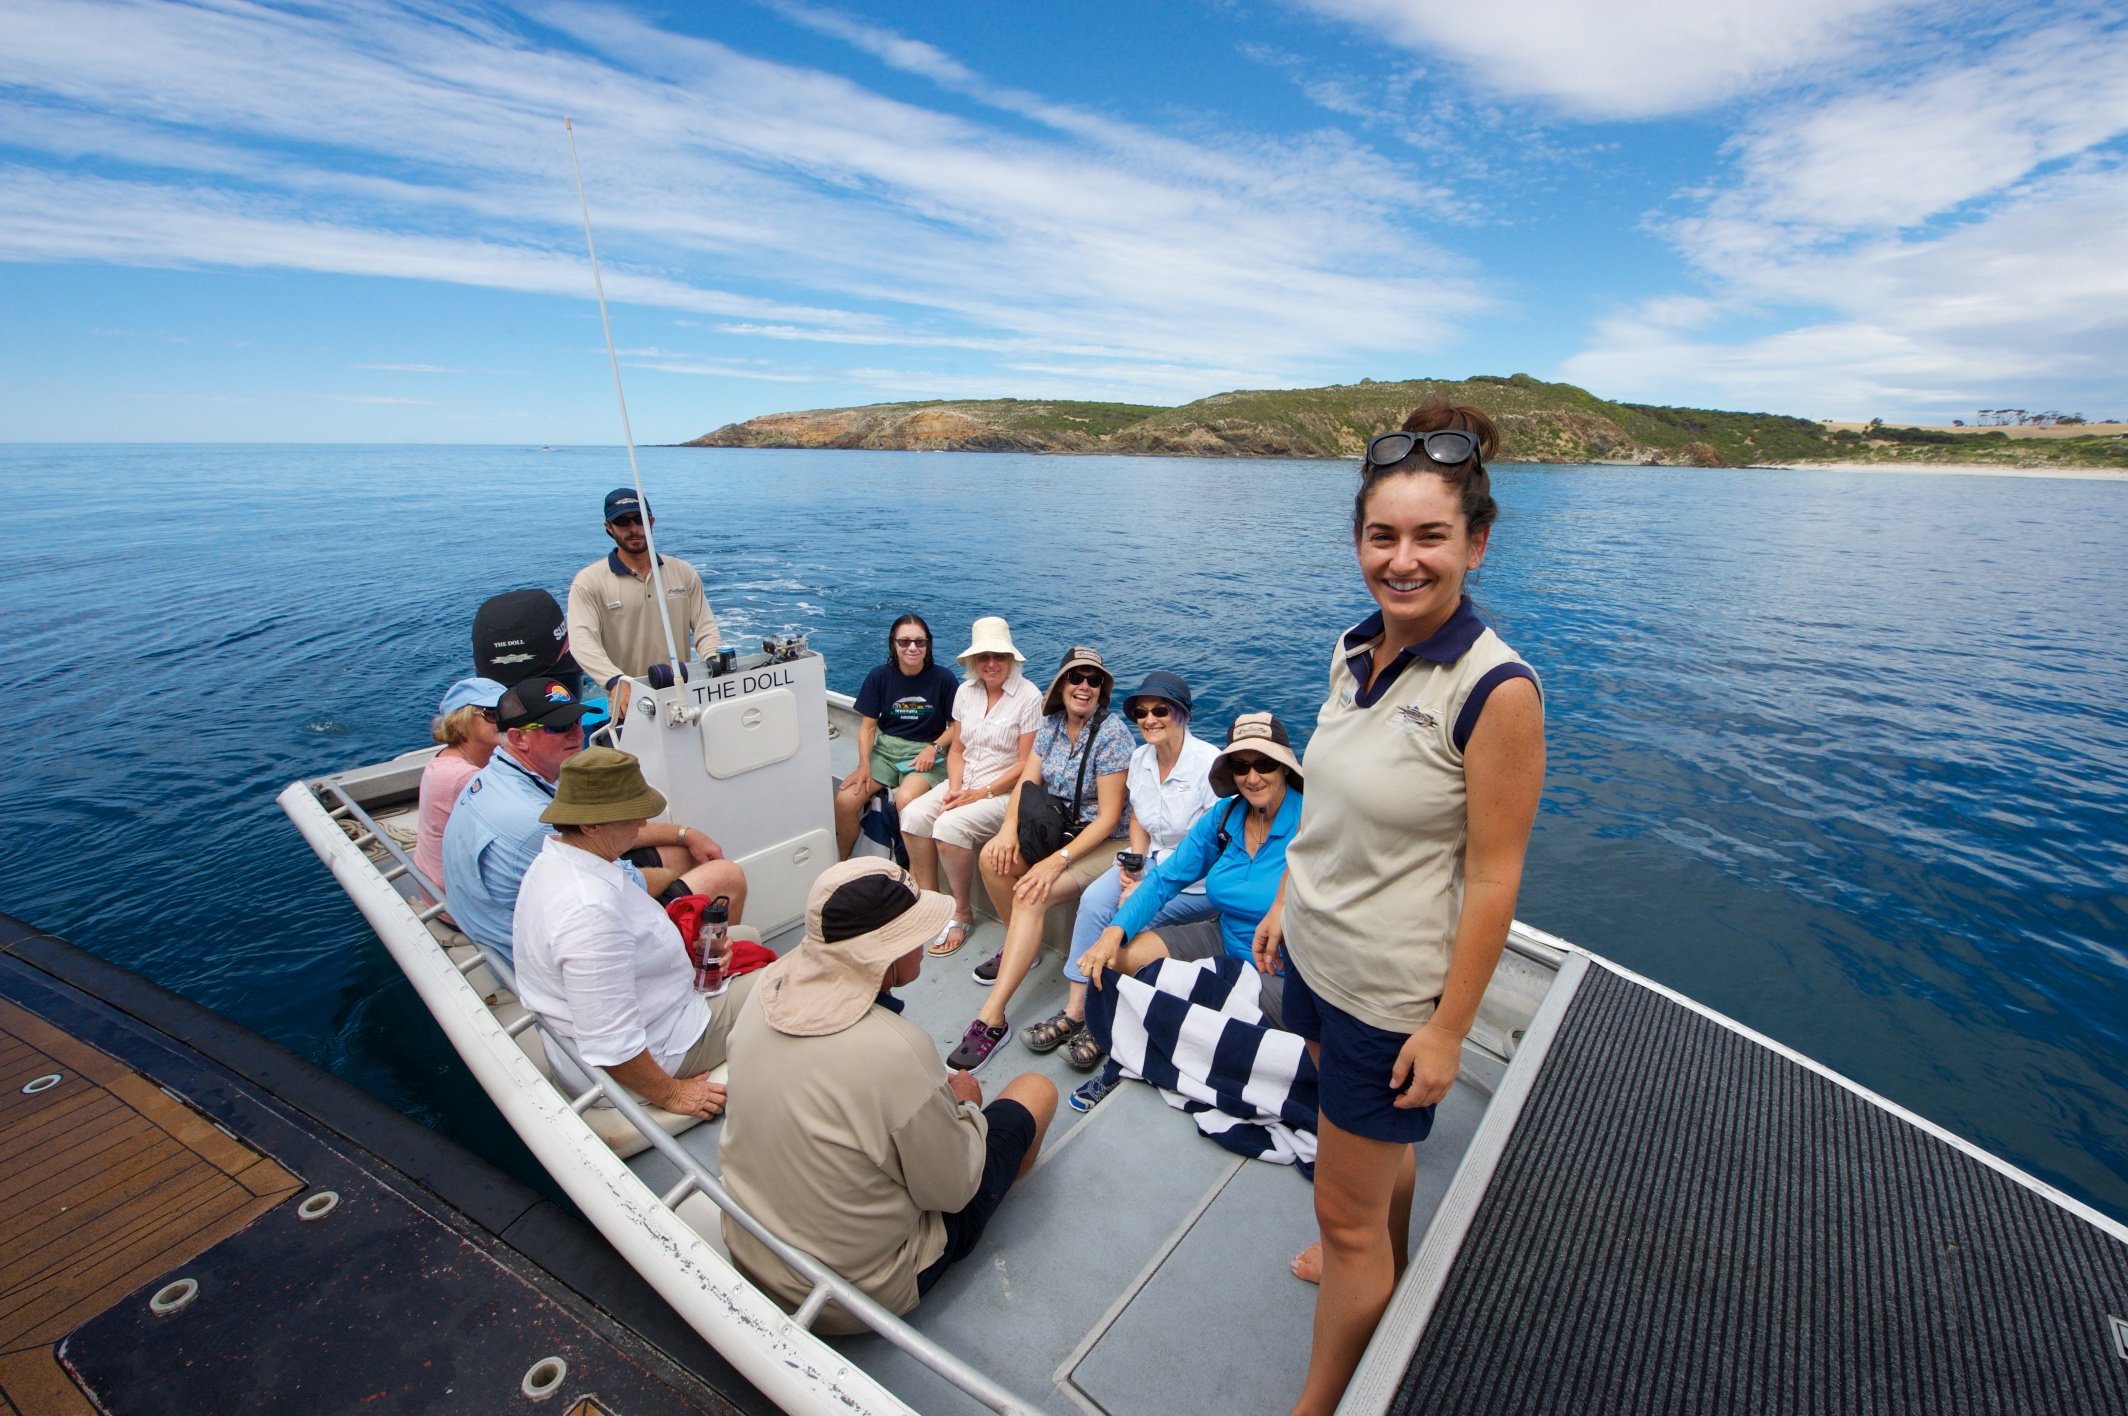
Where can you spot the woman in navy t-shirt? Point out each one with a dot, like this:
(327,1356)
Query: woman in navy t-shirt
(907,707)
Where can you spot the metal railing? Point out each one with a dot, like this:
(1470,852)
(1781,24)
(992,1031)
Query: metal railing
(827,1285)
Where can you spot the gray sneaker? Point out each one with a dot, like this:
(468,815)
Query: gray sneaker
(976,1046)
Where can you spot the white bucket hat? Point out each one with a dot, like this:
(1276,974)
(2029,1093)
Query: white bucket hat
(991,635)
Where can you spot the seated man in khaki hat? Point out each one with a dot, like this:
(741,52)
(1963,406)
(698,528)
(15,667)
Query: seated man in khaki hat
(846,1136)
(598,959)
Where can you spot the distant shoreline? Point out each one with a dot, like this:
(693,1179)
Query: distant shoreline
(1955,469)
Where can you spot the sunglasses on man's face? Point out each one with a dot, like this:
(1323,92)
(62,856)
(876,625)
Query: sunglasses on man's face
(1257,766)
(910,643)
(1148,710)
(1448,447)
(628,523)
(1078,677)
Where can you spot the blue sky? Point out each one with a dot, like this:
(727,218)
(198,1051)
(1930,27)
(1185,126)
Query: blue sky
(354,221)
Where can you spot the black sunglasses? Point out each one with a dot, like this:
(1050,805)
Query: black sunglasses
(1449,447)
(1083,676)
(910,643)
(1148,710)
(1261,766)
(624,522)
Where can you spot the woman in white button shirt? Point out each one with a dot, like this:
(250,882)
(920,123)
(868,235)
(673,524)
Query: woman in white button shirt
(997,711)
(1170,787)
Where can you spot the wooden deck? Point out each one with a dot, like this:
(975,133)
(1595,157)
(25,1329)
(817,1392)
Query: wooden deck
(106,1181)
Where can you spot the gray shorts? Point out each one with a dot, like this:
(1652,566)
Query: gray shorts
(1200,939)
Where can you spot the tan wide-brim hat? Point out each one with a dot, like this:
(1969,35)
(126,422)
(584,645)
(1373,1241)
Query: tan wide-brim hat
(861,916)
(602,784)
(991,635)
(1078,656)
(1262,735)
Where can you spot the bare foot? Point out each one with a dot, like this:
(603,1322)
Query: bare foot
(1308,1264)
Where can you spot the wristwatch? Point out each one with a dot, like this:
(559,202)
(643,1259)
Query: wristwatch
(1064,852)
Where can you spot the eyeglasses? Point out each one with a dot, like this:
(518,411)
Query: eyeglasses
(1259,766)
(910,643)
(1085,676)
(990,657)
(1449,447)
(625,522)
(490,714)
(1148,710)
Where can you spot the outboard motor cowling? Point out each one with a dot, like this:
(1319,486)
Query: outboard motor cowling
(521,634)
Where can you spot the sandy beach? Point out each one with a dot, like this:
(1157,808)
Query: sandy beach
(1955,469)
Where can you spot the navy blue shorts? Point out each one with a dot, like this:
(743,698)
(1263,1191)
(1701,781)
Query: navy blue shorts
(1352,1074)
(1011,1135)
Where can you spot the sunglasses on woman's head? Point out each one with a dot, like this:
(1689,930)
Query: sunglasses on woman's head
(1260,766)
(1078,677)
(1449,447)
(1148,710)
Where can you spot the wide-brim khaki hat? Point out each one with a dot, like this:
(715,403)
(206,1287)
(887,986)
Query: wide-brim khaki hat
(1078,656)
(860,917)
(602,784)
(1263,735)
(991,635)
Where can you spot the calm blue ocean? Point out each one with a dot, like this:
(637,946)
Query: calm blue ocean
(1845,756)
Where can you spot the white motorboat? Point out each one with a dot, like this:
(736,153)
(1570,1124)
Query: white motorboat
(1629,1202)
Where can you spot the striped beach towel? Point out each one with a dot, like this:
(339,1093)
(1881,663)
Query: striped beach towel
(1196,1031)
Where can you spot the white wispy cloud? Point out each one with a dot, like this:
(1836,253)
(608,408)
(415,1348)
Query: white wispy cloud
(372,139)
(1629,60)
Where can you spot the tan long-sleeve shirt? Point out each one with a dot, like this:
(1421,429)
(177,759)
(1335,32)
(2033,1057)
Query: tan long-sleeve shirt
(613,627)
(850,1146)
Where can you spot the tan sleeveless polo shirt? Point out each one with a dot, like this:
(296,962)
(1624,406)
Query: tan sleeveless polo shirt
(1374,883)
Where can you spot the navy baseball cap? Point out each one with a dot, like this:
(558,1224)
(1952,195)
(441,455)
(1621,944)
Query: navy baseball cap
(622,501)
(542,702)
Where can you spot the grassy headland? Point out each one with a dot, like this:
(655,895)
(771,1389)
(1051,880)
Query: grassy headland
(1539,422)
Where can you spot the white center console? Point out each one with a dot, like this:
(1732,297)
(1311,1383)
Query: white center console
(743,755)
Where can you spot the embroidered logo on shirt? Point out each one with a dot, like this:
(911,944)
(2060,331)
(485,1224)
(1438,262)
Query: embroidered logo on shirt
(1418,718)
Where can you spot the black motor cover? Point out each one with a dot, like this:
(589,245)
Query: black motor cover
(521,634)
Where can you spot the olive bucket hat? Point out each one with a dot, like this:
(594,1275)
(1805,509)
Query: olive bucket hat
(602,784)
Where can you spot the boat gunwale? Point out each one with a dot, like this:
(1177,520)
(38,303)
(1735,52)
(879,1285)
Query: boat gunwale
(700,1283)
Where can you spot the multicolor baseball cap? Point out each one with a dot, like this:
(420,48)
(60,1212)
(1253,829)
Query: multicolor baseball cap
(542,702)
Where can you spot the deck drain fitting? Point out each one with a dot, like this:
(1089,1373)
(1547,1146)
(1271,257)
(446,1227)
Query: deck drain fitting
(545,1378)
(318,1206)
(43,1083)
(172,1297)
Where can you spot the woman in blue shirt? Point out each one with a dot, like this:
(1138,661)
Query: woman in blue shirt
(1237,849)
(905,727)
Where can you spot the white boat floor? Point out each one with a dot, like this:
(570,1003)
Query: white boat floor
(1140,1268)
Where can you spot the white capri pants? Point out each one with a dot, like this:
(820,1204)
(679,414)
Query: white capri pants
(968,827)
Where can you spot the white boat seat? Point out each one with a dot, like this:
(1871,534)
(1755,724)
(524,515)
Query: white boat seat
(616,1130)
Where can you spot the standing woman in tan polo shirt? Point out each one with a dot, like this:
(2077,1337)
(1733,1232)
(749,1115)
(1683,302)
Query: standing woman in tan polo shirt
(1423,779)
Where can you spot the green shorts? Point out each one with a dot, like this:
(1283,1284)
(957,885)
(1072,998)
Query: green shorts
(891,756)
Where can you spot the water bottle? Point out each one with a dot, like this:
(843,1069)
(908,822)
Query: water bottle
(710,944)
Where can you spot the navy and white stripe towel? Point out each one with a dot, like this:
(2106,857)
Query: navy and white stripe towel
(1196,1031)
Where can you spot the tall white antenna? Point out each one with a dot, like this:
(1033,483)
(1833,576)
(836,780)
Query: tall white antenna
(657,579)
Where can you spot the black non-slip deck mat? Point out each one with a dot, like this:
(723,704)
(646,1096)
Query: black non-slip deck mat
(1684,1220)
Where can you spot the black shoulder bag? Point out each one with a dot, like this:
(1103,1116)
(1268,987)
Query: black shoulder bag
(1045,822)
